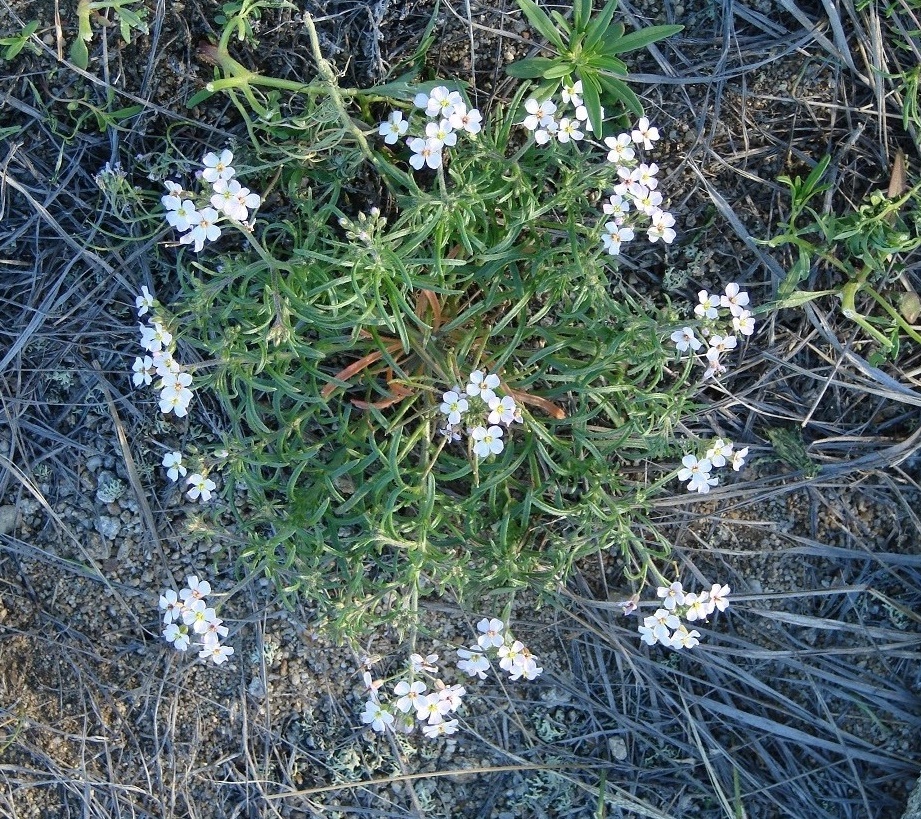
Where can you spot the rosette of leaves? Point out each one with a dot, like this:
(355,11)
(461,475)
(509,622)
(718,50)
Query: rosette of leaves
(586,48)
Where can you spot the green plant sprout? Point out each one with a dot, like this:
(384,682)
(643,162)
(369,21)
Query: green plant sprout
(15,43)
(865,248)
(131,15)
(586,49)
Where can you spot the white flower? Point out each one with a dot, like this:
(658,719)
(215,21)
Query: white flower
(378,717)
(425,152)
(155,338)
(503,410)
(173,463)
(544,134)
(743,323)
(200,487)
(440,102)
(487,441)
(698,473)
(432,708)
(178,635)
(572,93)
(165,364)
(644,134)
(582,113)
(204,230)
(699,606)
(440,729)
(170,606)
(661,623)
(621,148)
(672,595)
(719,596)
(217,652)
(568,129)
(616,206)
(718,452)
(233,199)
(145,301)
(453,406)
(682,638)
(418,663)
(708,306)
(661,227)
(736,300)
(738,458)
(646,175)
(723,343)
(473,661)
(408,694)
(615,236)
(195,589)
(715,367)
(646,200)
(183,216)
(217,167)
(490,632)
(143,369)
(463,120)
(510,654)
(394,128)
(684,339)
(481,385)
(440,133)
(540,114)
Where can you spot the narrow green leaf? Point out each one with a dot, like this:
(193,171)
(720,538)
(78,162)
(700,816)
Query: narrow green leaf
(601,28)
(558,70)
(541,22)
(620,90)
(592,98)
(581,11)
(603,63)
(530,67)
(561,24)
(640,39)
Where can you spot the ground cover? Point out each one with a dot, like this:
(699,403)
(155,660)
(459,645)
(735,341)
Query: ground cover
(803,697)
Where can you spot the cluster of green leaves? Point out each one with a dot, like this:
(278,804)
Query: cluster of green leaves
(332,338)
(862,252)
(131,15)
(586,48)
(15,43)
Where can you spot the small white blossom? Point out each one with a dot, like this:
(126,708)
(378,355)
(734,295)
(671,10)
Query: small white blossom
(173,463)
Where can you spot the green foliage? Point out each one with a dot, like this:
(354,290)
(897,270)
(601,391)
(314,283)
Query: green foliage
(131,14)
(15,43)
(862,250)
(586,48)
(332,337)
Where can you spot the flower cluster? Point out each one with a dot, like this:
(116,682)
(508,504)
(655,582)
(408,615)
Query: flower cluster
(698,471)
(547,122)
(635,198)
(722,317)
(198,222)
(159,362)
(495,640)
(418,697)
(447,115)
(665,626)
(189,610)
(481,411)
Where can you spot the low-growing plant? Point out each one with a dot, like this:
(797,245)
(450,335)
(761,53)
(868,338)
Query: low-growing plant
(435,380)
(863,253)
(585,49)
(131,15)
